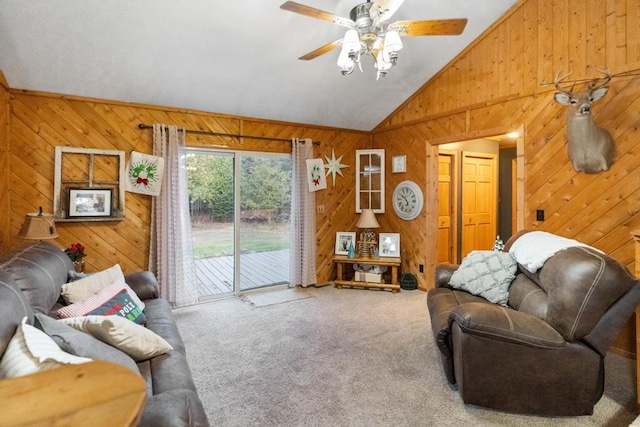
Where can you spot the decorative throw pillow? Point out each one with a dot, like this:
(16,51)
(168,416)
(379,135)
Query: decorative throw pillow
(30,351)
(137,341)
(487,274)
(81,344)
(112,300)
(121,305)
(78,290)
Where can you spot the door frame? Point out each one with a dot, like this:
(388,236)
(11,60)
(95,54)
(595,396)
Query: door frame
(431,167)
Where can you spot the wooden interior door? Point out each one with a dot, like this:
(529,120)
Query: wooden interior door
(479,201)
(446,208)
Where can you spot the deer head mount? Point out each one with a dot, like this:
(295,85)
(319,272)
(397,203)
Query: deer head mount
(590,147)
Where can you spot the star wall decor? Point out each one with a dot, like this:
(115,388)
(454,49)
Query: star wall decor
(334,166)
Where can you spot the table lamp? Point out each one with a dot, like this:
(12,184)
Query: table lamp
(367,244)
(38,226)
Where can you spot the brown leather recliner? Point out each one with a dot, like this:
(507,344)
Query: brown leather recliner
(544,353)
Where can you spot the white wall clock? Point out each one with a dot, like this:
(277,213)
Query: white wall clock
(407,200)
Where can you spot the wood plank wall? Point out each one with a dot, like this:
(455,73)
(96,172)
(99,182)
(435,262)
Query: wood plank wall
(499,82)
(40,121)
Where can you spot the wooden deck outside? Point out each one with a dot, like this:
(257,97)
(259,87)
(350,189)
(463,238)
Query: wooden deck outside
(257,270)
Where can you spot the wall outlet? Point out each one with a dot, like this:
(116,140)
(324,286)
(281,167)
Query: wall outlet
(421,268)
(539,215)
(319,208)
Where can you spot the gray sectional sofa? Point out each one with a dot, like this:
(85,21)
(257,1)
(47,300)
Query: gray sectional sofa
(30,284)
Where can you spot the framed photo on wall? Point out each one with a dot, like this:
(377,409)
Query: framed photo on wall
(343,240)
(89,202)
(389,245)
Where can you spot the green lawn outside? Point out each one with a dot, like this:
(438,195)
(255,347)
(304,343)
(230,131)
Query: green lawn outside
(217,239)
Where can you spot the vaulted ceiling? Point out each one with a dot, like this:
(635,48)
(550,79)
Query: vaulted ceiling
(237,57)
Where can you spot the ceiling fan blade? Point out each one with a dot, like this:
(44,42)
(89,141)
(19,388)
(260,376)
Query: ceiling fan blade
(383,9)
(292,6)
(321,50)
(438,27)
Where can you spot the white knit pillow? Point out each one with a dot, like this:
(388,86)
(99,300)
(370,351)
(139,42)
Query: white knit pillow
(31,350)
(78,290)
(487,274)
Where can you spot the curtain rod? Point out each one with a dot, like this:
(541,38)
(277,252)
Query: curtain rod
(205,132)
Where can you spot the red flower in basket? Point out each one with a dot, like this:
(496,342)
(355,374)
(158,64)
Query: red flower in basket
(75,252)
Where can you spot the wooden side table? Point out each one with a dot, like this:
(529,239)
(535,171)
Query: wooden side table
(97,393)
(340,281)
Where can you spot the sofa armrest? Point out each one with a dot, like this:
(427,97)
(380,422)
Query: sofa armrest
(144,284)
(443,274)
(505,324)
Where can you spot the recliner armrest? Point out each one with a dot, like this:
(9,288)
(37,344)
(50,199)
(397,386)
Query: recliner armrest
(443,274)
(144,284)
(505,324)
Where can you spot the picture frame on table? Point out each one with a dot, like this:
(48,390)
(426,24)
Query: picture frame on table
(89,202)
(343,240)
(389,245)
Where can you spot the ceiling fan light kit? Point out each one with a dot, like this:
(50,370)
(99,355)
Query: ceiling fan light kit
(370,34)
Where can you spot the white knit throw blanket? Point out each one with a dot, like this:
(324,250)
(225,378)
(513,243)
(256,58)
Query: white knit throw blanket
(531,250)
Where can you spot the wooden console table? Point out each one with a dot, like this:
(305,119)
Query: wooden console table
(394,263)
(95,393)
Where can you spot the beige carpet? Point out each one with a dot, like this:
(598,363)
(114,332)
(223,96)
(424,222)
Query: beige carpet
(349,357)
(263,299)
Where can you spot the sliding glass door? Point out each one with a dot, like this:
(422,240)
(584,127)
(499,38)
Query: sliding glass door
(265,207)
(240,206)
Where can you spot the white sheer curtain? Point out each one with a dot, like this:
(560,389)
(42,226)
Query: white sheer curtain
(303,217)
(171,254)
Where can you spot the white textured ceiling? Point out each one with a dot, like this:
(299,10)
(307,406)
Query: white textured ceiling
(234,57)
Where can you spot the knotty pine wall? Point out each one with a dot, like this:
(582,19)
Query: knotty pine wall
(498,84)
(41,121)
(494,86)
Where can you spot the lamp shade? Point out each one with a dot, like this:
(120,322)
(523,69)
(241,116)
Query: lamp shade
(383,62)
(351,41)
(392,42)
(367,219)
(38,226)
(344,62)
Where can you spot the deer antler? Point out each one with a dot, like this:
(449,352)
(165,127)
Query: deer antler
(607,77)
(558,79)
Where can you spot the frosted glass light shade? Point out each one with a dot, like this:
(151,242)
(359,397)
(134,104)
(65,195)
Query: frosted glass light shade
(345,63)
(351,41)
(392,42)
(383,63)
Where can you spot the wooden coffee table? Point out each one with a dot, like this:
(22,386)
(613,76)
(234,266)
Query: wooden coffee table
(99,394)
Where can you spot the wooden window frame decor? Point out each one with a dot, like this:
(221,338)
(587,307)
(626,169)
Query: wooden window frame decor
(89,202)
(100,172)
(370,176)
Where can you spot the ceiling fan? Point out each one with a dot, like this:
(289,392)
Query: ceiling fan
(369,33)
